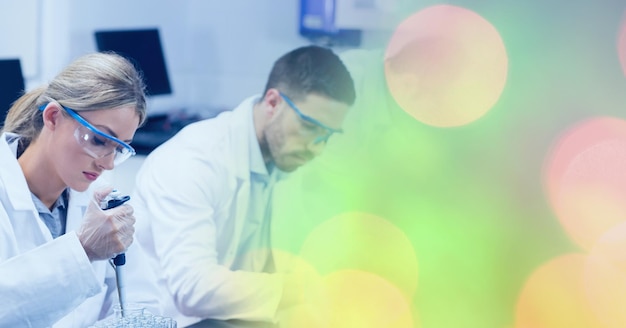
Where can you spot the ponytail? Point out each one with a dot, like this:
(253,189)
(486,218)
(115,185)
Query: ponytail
(24,117)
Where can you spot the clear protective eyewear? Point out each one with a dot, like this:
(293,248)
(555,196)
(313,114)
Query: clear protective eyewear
(327,131)
(96,143)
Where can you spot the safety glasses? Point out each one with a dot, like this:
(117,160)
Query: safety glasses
(323,131)
(96,143)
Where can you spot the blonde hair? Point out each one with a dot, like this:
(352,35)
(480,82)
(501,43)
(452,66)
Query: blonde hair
(95,81)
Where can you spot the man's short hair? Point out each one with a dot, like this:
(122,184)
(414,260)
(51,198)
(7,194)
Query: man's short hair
(312,70)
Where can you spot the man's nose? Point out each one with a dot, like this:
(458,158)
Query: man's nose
(316,148)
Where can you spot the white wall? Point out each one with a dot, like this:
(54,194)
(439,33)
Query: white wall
(217,52)
(19,33)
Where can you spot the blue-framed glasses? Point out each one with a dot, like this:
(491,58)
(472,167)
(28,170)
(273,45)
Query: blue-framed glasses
(326,131)
(97,143)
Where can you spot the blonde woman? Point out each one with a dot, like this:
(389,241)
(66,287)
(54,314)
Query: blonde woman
(54,239)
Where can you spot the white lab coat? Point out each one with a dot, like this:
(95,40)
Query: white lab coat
(191,200)
(47,282)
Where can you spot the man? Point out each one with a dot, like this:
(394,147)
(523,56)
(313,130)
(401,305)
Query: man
(202,199)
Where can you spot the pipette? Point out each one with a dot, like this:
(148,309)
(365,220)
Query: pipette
(115,199)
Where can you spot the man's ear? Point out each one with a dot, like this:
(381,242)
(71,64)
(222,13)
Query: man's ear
(51,115)
(272,100)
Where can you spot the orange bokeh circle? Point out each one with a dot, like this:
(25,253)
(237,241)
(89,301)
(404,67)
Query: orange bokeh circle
(585,178)
(446,65)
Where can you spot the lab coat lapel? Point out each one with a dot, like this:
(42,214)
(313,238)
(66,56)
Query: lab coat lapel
(78,202)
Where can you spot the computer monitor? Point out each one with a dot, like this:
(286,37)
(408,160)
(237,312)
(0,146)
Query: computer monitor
(143,48)
(11,85)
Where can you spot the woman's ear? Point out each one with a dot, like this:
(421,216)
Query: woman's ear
(51,115)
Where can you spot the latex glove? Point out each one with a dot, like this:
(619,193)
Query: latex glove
(106,233)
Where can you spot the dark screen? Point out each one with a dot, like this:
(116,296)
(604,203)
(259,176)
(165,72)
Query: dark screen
(143,48)
(11,85)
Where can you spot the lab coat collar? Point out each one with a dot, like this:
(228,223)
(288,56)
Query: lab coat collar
(257,164)
(248,149)
(19,196)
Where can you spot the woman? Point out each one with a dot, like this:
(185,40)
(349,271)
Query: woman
(54,238)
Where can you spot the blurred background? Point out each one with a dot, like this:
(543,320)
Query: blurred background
(481,178)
